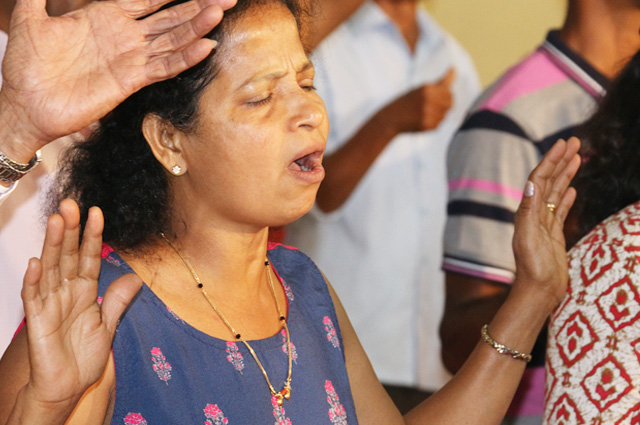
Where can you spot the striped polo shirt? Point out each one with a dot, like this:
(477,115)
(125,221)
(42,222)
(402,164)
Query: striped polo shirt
(511,126)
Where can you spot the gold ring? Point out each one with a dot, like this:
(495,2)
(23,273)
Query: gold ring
(551,206)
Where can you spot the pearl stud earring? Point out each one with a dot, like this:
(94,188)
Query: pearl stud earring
(176,170)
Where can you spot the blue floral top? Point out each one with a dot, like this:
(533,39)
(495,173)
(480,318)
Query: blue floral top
(168,372)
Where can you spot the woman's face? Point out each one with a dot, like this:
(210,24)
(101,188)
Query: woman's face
(255,154)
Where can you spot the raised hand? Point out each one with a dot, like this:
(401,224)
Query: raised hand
(423,108)
(61,74)
(538,242)
(69,334)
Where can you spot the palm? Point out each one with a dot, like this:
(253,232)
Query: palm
(539,244)
(61,74)
(69,334)
(69,343)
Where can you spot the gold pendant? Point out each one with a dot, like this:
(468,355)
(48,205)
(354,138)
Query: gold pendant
(286,392)
(278,397)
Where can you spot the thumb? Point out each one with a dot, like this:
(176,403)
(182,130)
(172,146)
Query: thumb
(117,298)
(28,8)
(449,78)
(526,218)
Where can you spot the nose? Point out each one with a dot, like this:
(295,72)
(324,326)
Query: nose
(308,112)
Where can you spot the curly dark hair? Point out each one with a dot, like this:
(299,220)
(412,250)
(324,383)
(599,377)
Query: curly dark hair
(609,179)
(115,169)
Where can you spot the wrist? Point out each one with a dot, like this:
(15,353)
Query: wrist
(520,319)
(536,294)
(30,408)
(18,138)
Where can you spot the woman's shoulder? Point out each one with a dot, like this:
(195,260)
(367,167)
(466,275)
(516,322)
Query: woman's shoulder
(610,250)
(297,272)
(289,257)
(619,229)
(111,268)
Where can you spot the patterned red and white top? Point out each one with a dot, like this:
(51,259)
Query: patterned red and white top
(593,351)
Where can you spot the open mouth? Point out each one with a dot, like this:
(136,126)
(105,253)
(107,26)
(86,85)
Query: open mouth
(307,163)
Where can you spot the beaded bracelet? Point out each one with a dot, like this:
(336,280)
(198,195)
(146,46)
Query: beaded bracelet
(503,349)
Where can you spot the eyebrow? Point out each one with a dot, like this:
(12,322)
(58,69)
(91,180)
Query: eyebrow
(305,66)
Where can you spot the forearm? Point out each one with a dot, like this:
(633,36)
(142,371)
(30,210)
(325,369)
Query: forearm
(487,374)
(348,165)
(327,16)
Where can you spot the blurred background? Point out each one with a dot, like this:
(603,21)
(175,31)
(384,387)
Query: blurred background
(480,26)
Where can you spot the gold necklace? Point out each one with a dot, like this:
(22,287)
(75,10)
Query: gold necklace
(285,393)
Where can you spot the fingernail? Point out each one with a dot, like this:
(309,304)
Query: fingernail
(214,43)
(528,189)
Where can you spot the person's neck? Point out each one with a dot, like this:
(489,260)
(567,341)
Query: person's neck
(223,254)
(605,36)
(403,15)
(230,258)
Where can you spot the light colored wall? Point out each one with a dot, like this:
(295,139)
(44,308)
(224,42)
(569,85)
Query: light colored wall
(497,33)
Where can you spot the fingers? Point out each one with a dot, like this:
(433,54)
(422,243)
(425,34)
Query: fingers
(117,298)
(555,172)
(438,102)
(449,78)
(31,299)
(172,65)
(562,178)
(226,4)
(183,32)
(526,218)
(59,256)
(165,20)
(91,247)
(70,242)
(50,257)
(565,204)
(140,8)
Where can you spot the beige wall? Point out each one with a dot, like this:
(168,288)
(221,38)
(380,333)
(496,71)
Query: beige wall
(497,33)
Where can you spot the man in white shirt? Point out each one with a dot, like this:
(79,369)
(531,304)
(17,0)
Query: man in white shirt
(388,76)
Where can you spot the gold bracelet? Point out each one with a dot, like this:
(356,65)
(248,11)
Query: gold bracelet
(503,349)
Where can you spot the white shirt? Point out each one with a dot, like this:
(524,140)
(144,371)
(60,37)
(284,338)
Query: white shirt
(382,250)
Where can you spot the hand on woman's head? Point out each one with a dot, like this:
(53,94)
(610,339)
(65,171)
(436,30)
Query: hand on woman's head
(538,241)
(62,74)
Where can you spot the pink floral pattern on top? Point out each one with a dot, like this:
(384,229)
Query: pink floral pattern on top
(332,334)
(235,356)
(161,367)
(337,414)
(113,261)
(287,290)
(214,415)
(279,413)
(294,353)
(135,419)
